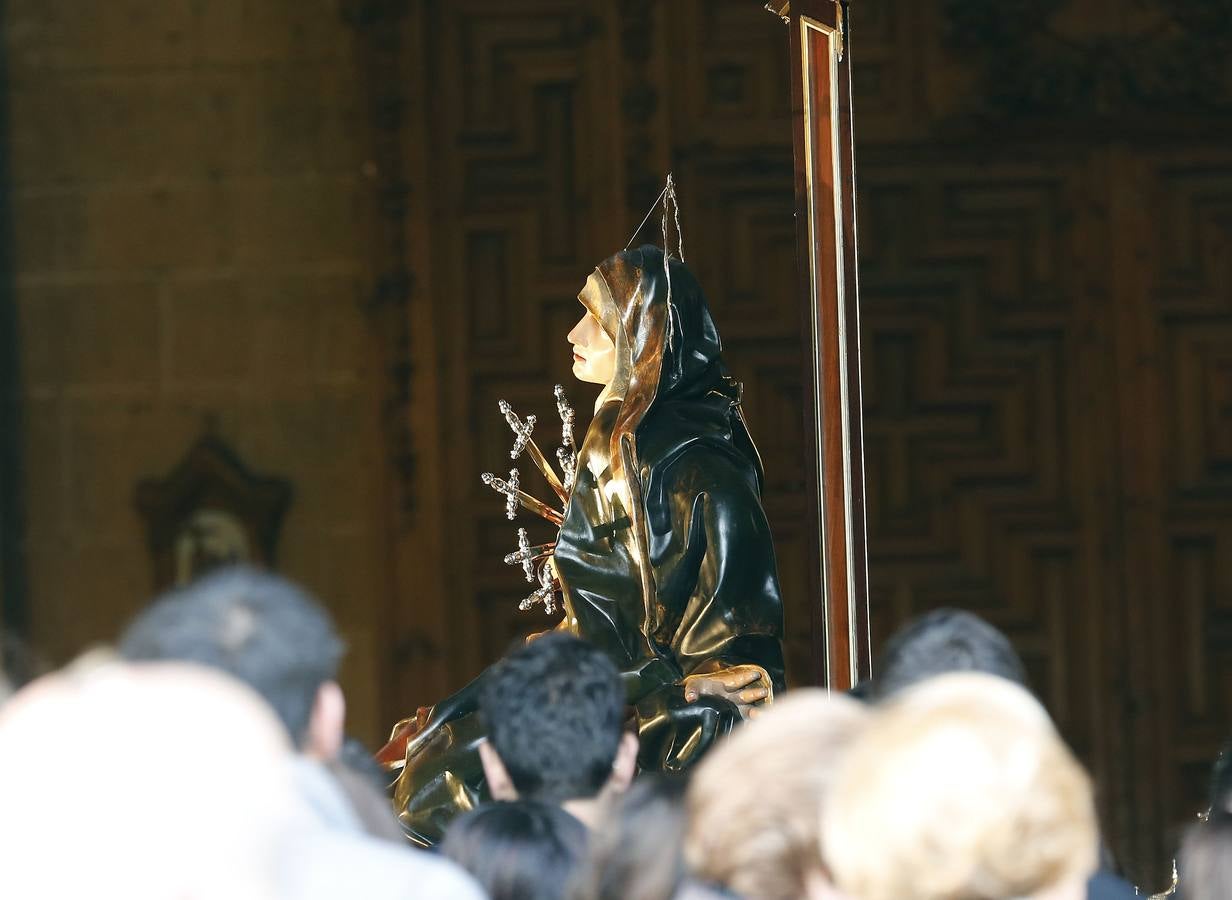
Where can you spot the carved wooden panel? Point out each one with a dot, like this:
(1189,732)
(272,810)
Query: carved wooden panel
(977,468)
(534,181)
(1190,195)
(523,181)
(1046,326)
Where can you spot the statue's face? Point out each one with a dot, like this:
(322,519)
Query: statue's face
(594,353)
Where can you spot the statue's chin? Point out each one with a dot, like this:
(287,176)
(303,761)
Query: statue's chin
(583,373)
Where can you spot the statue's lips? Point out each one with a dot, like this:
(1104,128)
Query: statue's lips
(577,357)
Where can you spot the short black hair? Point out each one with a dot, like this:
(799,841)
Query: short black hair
(253,625)
(517,850)
(554,710)
(943,641)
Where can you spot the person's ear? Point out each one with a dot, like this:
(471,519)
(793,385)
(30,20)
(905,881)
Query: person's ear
(326,723)
(500,785)
(624,767)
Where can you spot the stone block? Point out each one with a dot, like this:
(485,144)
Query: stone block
(90,334)
(123,227)
(93,35)
(157,226)
(50,230)
(229,32)
(311,437)
(310,329)
(301,118)
(83,596)
(297,220)
(111,445)
(209,332)
(287,331)
(337,501)
(44,474)
(347,336)
(89,127)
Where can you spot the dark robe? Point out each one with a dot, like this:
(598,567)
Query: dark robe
(665,557)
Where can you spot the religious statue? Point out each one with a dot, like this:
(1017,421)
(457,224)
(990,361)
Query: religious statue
(663,559)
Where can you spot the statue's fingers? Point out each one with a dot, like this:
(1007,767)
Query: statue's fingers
(697,688)
(735,680)
(753,695)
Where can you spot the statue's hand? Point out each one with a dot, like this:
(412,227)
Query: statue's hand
(393,754)
(748,687)
(416,723)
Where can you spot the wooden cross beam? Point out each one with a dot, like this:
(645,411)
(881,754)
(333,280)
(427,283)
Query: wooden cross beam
(826,250)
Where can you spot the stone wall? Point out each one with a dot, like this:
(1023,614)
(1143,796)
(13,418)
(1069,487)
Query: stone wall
(190,220)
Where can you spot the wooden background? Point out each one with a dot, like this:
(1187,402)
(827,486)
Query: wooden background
(1047,311)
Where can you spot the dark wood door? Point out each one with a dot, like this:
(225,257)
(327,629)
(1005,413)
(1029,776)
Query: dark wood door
(1046,291)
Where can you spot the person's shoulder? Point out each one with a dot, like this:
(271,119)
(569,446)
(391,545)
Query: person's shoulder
(438,877)
(348,865)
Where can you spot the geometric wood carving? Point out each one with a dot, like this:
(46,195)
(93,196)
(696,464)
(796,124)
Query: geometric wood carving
(210,511)
(1019,324)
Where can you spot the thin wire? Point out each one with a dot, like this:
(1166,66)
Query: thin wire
(668,193)
(676,210)
(669,190)
(649,213)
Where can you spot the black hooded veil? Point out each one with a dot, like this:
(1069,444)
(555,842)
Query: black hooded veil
(665,558)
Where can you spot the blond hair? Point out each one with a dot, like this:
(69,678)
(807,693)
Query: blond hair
(752,803)
(959,789)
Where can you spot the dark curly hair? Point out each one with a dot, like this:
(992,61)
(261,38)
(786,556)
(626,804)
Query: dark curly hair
(554,710)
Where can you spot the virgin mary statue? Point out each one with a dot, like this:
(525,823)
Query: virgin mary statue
(664,558)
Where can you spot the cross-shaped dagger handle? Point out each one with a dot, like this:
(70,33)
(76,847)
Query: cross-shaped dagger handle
(568,465)
(523,556)
(510,489)
(545,593)
(515,497)
(567,454)
(523,441)
(567,416)
(528,554)
(522,430)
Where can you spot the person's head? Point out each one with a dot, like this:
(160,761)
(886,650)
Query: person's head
(594,351)
(262,630)
(940,642)
(960,788)
(520,850)
(636,849)
(183,775)
(555,712)
(1205,863)
(753,802)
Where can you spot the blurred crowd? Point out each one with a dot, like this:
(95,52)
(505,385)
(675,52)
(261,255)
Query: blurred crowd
(205,757)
